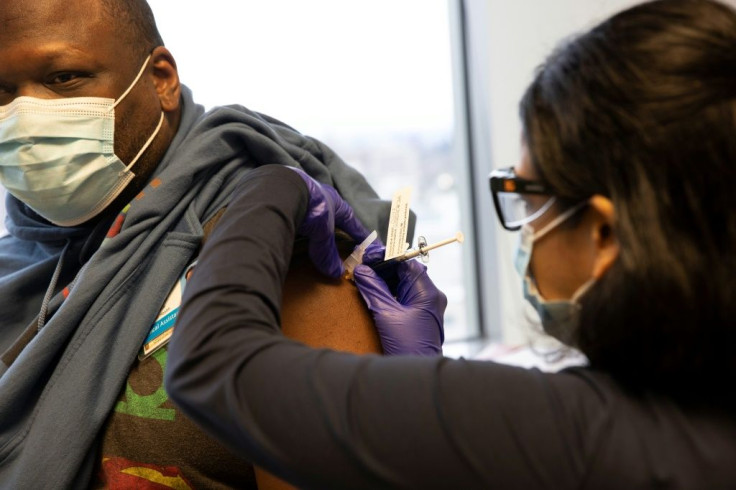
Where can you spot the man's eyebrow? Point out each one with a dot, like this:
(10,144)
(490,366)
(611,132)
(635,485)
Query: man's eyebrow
(64,57)
(55,51)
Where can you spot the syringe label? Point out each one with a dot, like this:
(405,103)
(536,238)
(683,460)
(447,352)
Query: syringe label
(398,224)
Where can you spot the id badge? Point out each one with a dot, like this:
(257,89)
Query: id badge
(163,327)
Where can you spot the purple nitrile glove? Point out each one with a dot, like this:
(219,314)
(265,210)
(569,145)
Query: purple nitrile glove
(374,252)
(412,322)
(326,211)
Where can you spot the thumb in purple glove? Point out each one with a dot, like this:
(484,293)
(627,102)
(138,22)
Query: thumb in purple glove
(325,211)
(375,252)
(412,322)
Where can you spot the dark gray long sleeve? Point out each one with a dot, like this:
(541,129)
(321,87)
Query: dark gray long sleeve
(325,419)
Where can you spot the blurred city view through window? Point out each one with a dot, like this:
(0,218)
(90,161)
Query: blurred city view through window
(373,80)
(424,161)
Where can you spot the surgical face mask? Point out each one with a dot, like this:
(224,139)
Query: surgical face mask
(57,155)
(559,317)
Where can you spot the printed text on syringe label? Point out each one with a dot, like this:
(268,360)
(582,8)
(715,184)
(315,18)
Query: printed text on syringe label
(398,225)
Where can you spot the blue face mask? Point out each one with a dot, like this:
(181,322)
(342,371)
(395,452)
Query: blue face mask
(559,318)
(56,155)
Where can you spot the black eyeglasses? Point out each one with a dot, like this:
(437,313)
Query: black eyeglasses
(518,201)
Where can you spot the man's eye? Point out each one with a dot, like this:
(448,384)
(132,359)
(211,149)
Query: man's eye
(65,77)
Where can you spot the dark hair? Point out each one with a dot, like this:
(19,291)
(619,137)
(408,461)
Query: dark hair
(642,110)
(134,20)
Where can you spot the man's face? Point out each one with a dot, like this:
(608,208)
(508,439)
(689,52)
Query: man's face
(53,49)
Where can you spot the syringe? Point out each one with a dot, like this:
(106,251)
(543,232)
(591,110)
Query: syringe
(356,257)
(422,249)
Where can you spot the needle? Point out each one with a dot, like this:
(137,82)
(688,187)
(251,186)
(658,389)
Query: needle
(422,250)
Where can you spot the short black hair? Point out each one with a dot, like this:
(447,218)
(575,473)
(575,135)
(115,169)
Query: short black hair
(135,21)
(642,109)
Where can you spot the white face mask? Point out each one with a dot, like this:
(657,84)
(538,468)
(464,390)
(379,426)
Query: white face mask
(559,317)
(57,155)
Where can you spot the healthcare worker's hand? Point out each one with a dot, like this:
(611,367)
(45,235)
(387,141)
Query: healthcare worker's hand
(413,321)
(325,212)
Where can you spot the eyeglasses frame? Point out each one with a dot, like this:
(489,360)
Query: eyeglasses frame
(505,180)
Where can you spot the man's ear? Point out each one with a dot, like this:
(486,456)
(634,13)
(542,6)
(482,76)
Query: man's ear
(166,79)
(604,236)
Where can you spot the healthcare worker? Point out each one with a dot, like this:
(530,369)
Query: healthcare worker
(625,207)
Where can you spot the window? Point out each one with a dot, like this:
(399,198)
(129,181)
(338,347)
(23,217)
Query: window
(373,80)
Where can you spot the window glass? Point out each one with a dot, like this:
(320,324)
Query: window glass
(373,80)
